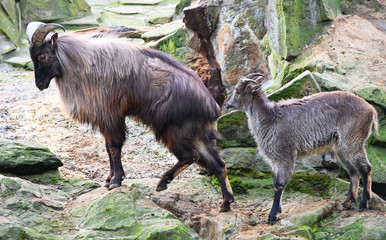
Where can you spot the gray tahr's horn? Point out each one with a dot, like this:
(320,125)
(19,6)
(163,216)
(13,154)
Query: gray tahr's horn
(37,31)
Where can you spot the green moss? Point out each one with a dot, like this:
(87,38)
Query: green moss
(240,187)
(373,94)
(328,230)
(302,231)
(303,85)
(377,158)
(9,27)
(181,5)
(127,213)
(169,47)
(10,184)
(242,184)
(312,183)
(253,173)
(234,129)
(300,24)
(54,10)
(175,44)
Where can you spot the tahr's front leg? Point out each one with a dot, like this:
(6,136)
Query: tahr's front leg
(114,137)
(116,170)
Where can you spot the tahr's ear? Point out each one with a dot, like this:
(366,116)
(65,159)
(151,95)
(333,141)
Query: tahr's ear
(54,37)
(258,85)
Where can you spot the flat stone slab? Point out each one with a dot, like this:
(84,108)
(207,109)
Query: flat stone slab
(125,10)
(91,20)
(163,30)
(24,62)
(25,158)
(161,17)
(6,45)
(140,2)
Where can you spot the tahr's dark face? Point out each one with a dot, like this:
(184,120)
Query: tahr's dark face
(46,64)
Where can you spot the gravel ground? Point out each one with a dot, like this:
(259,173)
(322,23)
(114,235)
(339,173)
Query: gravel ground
(28,114)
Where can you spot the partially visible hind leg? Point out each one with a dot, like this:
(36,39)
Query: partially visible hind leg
(358,166)
(354,179)
(185,158)
(364,168)
(353,191)
(211,160)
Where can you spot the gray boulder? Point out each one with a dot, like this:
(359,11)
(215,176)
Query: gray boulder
(53,11)
(24,158)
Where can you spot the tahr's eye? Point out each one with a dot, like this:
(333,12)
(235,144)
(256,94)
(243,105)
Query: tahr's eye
(237,91)
(42,58)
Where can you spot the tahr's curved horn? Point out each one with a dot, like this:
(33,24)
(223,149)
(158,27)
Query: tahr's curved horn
(255,76)
(37,31)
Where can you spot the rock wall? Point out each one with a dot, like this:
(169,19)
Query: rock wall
(15,15)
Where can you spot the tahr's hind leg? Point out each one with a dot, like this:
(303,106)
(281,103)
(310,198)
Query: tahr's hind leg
(344,157)
(364,169)
(226,189)
(353,191)
(359,167)
(211,160)
(185,159)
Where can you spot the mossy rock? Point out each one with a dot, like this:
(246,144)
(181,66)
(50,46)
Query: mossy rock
(125,212)
(351,226)
(313,183)
(373,94)
(239,158)
(161,17)
(303,85)
(181,5)
(9,24)
(163,30)
(300,23)
(6,45)
(21,62)
(53,10)
(23,158)
(234,129)
(377,158)
(16,232)
(174,44)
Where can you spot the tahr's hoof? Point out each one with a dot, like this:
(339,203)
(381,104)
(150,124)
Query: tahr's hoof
(223,209)
(225,206)
(161,187)
(272,220)
(347,207)
(114,185)
(107,185)
(362,206)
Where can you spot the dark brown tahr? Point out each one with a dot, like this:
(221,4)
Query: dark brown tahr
(101,81)
(289,130)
